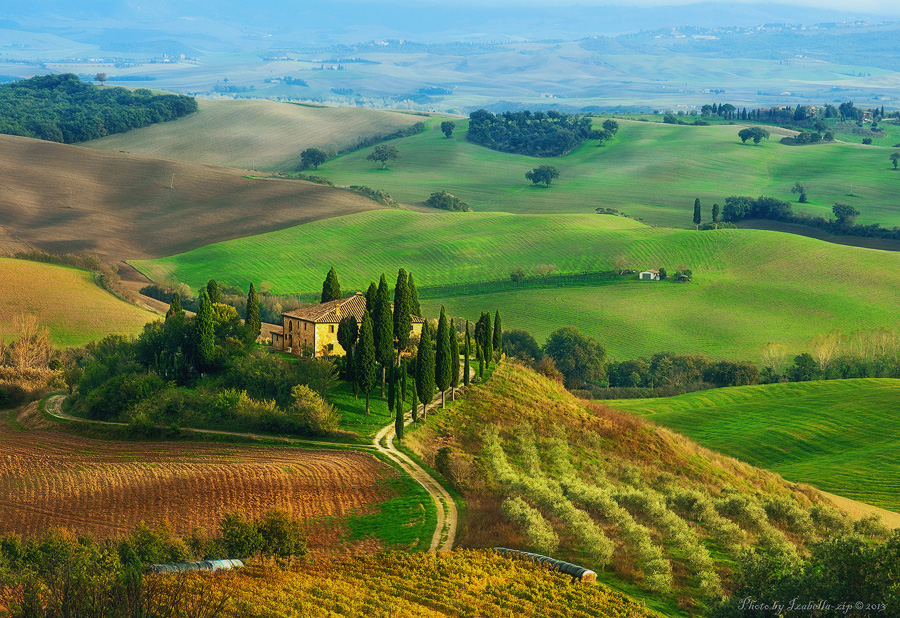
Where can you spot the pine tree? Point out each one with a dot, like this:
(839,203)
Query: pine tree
(402,319)
(454,359)
(383,322)
(175,305)
(414,307)
(212,289)
(371,295)
(697,216)
(498,334)
(251,318)
(331,289)
(443,371)
(365,358)
(468,352)
(204,330)
(425,368)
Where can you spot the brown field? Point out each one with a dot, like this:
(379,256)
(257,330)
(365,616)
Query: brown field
(256,134)
(69,199)
(49,479)
(65,300)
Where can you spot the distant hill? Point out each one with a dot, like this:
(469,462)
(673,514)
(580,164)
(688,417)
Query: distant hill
(66,301)
(66,199)
(258,134)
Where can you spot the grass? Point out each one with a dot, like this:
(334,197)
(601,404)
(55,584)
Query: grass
(353,409)
(65,300)
(405,521)
(649,170)
(257,134)
(840,436)
(750,287)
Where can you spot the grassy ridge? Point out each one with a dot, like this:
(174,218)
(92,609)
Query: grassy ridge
(841,435)
(648,170)
(257,134)
(65,300)
(750,287)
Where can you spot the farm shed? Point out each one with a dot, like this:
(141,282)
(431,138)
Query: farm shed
(649,275)
(577,572)
(205,565)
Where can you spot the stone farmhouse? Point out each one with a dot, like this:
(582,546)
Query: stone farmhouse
(314,328)
(649,275)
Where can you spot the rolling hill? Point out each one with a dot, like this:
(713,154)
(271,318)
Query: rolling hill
(840,435)
(68,199)
(648,170)
(66,301)
(257,134)
(750,287)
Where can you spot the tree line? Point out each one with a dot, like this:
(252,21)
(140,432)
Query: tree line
(62,108)
(536,134)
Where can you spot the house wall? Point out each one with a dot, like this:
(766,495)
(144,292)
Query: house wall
(296,333)
(325,337)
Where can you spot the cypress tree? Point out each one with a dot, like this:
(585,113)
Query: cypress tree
(403,383)
(383,322)
(365,357)
(498,334)
(697,216)
(468,351)
(331,289)
(425,368)
(414,307)
(204,332)
(487,350)
(347,334)
(443,371)
(212,289)
(415,400)
(398,409)
(251,318)
(174,305)
(392,389)
(402,319)
(454,359)
(479,354)
(715,215)
(371,295)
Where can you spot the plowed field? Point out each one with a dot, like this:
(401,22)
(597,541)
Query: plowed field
(103,488)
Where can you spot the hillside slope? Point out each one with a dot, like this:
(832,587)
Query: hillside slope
(70,199)
(638,503)
(839,435)
(66,301)
(257,134)
(750,287)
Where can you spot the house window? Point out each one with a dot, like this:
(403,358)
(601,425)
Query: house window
(304,326)
(290,341)
(290,326)
(331,347)
(331,329)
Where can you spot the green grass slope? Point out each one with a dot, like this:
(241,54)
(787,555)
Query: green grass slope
(750,287)
(648,170)
(66,301)
(842,436)
(256,134)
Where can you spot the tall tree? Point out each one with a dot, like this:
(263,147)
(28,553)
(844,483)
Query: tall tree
(251,317)
(425,368)
(365,373)
(371,295)
(697,215)
(347,334)
(398,404)
(497,341)
(402,319)
(383,153)
(403,383)
(443,369)
(580,358)
(454,358)
(415,399)
(331,289)
(391,388)
(487,347)
(414,307)
(204,332)
(715,215)
(175,305)
(447,127)
(384,328)
(479,354)
(467,353)
(312,157)
(212,290)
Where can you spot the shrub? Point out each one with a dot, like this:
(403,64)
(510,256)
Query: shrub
(314,413)
(282,536)
(241,537)
(541,536)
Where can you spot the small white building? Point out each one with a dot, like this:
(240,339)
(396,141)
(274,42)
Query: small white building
(649,275)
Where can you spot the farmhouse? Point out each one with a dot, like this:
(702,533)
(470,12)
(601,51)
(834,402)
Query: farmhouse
(649,275)
(313,329)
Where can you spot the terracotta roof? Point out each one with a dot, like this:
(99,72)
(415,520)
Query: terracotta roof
(334,311)
(655,272)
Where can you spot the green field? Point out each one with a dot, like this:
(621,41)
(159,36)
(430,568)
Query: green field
(256,134)
(648,170)
(65,300)
(750,287)
(840,436)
